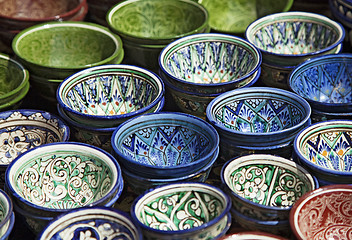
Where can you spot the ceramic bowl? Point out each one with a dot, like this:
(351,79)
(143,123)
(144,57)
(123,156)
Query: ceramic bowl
(54,178)
(251,235)
(264,187)
(6,214)
(325,82)
(135,20)
(320,116)
(209,63)
(323,214)
(95,222)
(182,211)
(234,16)
(107,95)
(258,116)
(324,148)
(341,12)
(56,50)
(289,38)
(164,145)
(139,184)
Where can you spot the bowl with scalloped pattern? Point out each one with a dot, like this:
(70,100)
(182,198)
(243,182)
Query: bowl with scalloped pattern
(324,148)
(183,211)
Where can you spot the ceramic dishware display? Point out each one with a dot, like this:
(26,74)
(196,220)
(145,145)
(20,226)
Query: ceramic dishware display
(289,38)
(106,96)
(324,148)
(199,67)
(164,145)
(264,187)
(95,222)
(182,211)
(135,22)
(324,213)
(257,119)
(251,235)
(341,11)
(7,216)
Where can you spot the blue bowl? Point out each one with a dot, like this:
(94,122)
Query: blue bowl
(164,145)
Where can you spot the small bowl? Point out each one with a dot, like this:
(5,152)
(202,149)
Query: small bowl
(323,213)
(258,116)
(264,187)
(99,222)
(6,214)
(252,235)
(183,211)
(56,50)
(325,82)
(54,178)
(164,145)
(324,149)
(107,95)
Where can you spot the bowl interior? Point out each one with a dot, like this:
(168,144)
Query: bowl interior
(328,80)
(111,92)
(210,59)
(62,176)
(293,34)
(66,45)
(151,19)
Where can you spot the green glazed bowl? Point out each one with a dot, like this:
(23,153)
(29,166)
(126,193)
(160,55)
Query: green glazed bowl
(56,50)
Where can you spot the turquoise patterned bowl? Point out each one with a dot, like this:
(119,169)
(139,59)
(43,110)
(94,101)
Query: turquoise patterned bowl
(6,215)
(56,50)
(106,96)
(94,222)
(324,148)
(183,211)
(325,82)
(54,178)
(164,145)
(264,186)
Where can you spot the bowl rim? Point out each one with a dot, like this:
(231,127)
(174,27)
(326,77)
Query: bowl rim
(18,99)
(8,215)
(225,97)
(173,187)
(181,43)
(68,24)
(70,82)
(150,40)
(315,62)
(307,131)
(66,146)
(308,196)
(293,15)
(249,235)
(122,131)
(83,214)
(252,159)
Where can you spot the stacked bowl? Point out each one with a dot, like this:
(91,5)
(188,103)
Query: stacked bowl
(7,216)
(18,15)
(326,83)
(147,26)
(163,148)
(200,67)
(287,39)
(53,51)
(341,11)
(98,99)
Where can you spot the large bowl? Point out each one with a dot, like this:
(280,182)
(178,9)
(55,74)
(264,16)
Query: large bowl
(324,148)
(105,96)
(325,82)
(264,187)
(164,145)
(56,50)
(324,213)
(54,178)
(183,211)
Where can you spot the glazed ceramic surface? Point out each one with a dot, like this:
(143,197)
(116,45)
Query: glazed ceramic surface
(182,211)
(209,63)
(165,144)
(323,214)
(325,148)
(265,186)
(287,39)
(106,96)
(54,178)
(251,235)
(92,223)
(326,82)
(6,212)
